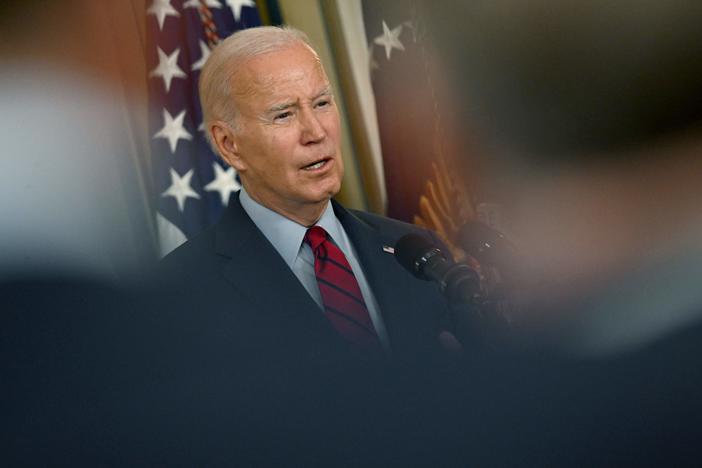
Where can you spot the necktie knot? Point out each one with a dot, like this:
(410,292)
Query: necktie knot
(315,236)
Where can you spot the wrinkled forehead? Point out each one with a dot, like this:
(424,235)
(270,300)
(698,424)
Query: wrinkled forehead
(264,73)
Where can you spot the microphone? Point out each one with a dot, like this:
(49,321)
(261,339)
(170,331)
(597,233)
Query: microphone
(457,281)
(488,246)
(485,244)
(498,257)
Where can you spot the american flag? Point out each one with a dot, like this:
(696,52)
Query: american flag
(418,143)
(192,184)
(403,101)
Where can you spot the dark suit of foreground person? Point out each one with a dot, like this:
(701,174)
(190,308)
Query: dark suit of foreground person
(269,112)
(94,376)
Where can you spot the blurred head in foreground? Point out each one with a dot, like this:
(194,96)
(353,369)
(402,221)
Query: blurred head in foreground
(70,198)
(592,113)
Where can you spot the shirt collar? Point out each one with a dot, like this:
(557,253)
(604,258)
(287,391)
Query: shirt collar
(286,235)
(331,224)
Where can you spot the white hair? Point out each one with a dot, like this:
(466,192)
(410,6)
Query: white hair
(216,84)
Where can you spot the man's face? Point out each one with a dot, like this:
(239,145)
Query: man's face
(287,132)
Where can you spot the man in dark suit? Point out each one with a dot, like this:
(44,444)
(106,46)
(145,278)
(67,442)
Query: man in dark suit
(269,112)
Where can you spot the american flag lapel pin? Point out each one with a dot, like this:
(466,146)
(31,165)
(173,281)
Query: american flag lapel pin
(388,249)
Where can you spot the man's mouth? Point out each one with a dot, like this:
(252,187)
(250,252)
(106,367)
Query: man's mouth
(316,165)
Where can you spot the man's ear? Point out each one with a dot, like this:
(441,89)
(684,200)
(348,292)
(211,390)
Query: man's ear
(225,139)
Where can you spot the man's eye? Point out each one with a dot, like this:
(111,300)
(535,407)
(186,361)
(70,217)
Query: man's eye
(323,103)
(282,116)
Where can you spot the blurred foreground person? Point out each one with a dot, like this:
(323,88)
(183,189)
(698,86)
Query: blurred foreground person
(591,111)
(74,233)
(592,116)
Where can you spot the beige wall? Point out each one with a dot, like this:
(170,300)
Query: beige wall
(307,16)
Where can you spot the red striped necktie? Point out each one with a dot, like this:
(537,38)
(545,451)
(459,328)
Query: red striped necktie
(341,295)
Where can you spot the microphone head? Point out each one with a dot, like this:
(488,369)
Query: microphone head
(413,252)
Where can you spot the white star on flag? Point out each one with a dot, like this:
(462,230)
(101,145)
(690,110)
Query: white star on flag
(173,129)
(180,188)
(161,9)
(168,68)
(205,51)
(236,6)
(224,182)
(175,121)
(390,39)
(196,4)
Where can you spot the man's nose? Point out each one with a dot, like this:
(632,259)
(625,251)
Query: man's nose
(312,129)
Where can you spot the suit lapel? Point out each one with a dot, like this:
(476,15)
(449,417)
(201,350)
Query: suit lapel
(256,270)
(391,286)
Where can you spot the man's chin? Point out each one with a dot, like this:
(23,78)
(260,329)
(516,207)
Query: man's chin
(327,191)
(321,199)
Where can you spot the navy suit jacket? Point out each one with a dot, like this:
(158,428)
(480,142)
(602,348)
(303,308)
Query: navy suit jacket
(233,279)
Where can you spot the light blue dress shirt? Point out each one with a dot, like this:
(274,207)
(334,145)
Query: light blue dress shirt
(287,237)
